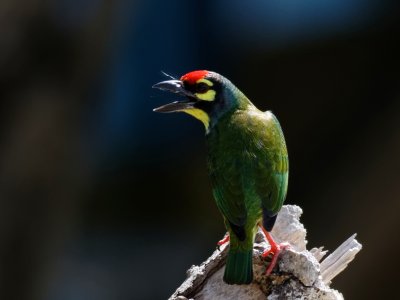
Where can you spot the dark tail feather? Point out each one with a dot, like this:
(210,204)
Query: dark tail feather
(239,267)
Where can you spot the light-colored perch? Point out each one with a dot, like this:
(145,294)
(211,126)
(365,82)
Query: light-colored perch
(299,274)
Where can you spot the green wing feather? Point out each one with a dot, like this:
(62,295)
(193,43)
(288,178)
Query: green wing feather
(251,156)
(272,172)
(227,190)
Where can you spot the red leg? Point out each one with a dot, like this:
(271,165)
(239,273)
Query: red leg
(224,240)
(275,249)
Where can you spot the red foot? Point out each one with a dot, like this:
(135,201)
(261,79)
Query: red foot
(275,249)
(223,241)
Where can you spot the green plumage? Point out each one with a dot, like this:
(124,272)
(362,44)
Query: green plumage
(239,267)
(248,166)
(247,161)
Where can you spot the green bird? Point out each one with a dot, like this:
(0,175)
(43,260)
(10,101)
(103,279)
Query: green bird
(247,163)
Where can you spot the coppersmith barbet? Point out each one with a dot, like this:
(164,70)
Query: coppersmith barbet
(247,163)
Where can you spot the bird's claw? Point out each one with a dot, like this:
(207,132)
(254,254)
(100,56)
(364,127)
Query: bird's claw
(275,250)
(225,240)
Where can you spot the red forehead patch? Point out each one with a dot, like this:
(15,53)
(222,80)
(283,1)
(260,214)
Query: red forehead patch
(192,77)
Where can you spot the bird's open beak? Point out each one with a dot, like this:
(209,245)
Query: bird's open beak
(175,86)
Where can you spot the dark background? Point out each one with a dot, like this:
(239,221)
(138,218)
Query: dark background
(100,198)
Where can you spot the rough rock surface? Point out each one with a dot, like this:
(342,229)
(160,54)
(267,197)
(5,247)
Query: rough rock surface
(298,274)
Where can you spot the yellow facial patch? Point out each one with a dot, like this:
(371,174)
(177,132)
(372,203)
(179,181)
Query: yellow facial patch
(210,94)
(206,81)
(200,115)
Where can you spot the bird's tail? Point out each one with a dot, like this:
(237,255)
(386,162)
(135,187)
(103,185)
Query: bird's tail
(239,266)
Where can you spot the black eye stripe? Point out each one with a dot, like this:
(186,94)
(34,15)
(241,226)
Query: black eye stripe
(202,87)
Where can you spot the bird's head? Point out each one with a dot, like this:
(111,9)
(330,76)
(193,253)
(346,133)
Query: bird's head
(207,96)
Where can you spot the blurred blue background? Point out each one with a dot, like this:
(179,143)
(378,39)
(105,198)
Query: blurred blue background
(100,198)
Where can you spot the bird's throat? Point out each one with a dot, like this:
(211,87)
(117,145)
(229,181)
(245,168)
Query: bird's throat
(200,115)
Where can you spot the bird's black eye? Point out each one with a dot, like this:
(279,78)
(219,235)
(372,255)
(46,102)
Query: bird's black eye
(202,87)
